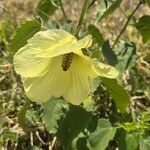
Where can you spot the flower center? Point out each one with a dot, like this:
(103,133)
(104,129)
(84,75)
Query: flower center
(67,60)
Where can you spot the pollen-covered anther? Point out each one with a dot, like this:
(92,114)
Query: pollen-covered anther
(67,60)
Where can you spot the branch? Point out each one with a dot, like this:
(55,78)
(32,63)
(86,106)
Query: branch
(126,24)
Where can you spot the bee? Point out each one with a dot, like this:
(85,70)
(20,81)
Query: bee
(67,60)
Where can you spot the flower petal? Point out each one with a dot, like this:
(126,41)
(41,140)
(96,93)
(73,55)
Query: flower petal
(53,83)
(73,84)
(29,65)
(48,38)
(74,47)
(99,68)
(31,60)
(104,70)
(80,88)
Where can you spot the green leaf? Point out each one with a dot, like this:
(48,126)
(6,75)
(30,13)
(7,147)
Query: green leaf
(22,115)
(53,25)
(23,33)
(120,138)
(96,54)
(145,143)
(67,122)
(121,98)
(80,143)
(67,25)
(146,116)
(75,121)
(92,124)
(104,10)
(132,141)
(100,138)
(94,31)
(127,141)
(54,110)
(126,57)
(46,8)
(143,26)
(109,54)
(32,117)
(4,38)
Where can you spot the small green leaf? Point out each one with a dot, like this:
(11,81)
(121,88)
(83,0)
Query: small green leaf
(96,54)
(53,25)
(94,31)
(67,25)
(100,138)
(146,116)
(121,98)
(126,57)
(54,110)
(143,25)
(120,137)
(92,124)
(145,143)
(80,143)
(104,10)
(23,33)
(132,141)
(32,117)
(109,54)
(127,140)
(46,8)
(22,115)
(75,122)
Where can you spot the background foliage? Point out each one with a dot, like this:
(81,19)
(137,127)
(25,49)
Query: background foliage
(119,116)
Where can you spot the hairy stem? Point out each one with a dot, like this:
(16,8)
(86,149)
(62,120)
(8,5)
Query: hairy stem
(126,24)
(62,9)
(84,8)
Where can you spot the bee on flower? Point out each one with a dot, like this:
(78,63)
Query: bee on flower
(52,64)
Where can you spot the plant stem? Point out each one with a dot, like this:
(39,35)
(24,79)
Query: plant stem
(93,1)
(84,8)
(126,24)
(62,9)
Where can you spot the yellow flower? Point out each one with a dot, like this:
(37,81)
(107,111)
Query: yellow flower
(52,64)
